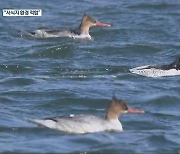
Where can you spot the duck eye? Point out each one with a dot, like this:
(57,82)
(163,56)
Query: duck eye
(125,107)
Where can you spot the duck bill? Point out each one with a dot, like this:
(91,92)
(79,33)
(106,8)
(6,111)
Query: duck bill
(98,23)
(134,111)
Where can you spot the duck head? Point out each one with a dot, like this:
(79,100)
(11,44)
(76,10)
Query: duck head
(88,22)
(118,107)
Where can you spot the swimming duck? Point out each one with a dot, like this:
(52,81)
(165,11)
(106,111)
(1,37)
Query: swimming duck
(172,69)
(85,123)
(80,33)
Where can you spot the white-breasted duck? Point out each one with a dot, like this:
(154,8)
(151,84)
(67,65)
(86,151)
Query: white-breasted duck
(81,33)
(89,123)
(172,69)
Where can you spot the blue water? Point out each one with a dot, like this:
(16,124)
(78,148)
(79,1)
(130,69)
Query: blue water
(57,76)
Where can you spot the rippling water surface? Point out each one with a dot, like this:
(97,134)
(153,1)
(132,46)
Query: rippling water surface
(49,77)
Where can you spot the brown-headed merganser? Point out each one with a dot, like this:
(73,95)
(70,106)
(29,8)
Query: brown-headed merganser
(81,33)
(90,123)
(172,69)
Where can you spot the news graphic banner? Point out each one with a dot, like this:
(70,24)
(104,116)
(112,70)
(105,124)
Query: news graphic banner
(22,12)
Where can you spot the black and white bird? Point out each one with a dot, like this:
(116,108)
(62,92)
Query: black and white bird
(172,69)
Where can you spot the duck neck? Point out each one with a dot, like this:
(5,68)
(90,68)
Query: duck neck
(111,116)
(84,28)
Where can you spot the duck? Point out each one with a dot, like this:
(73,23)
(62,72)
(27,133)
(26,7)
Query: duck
(87,123)
(82,32)
(160,70)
